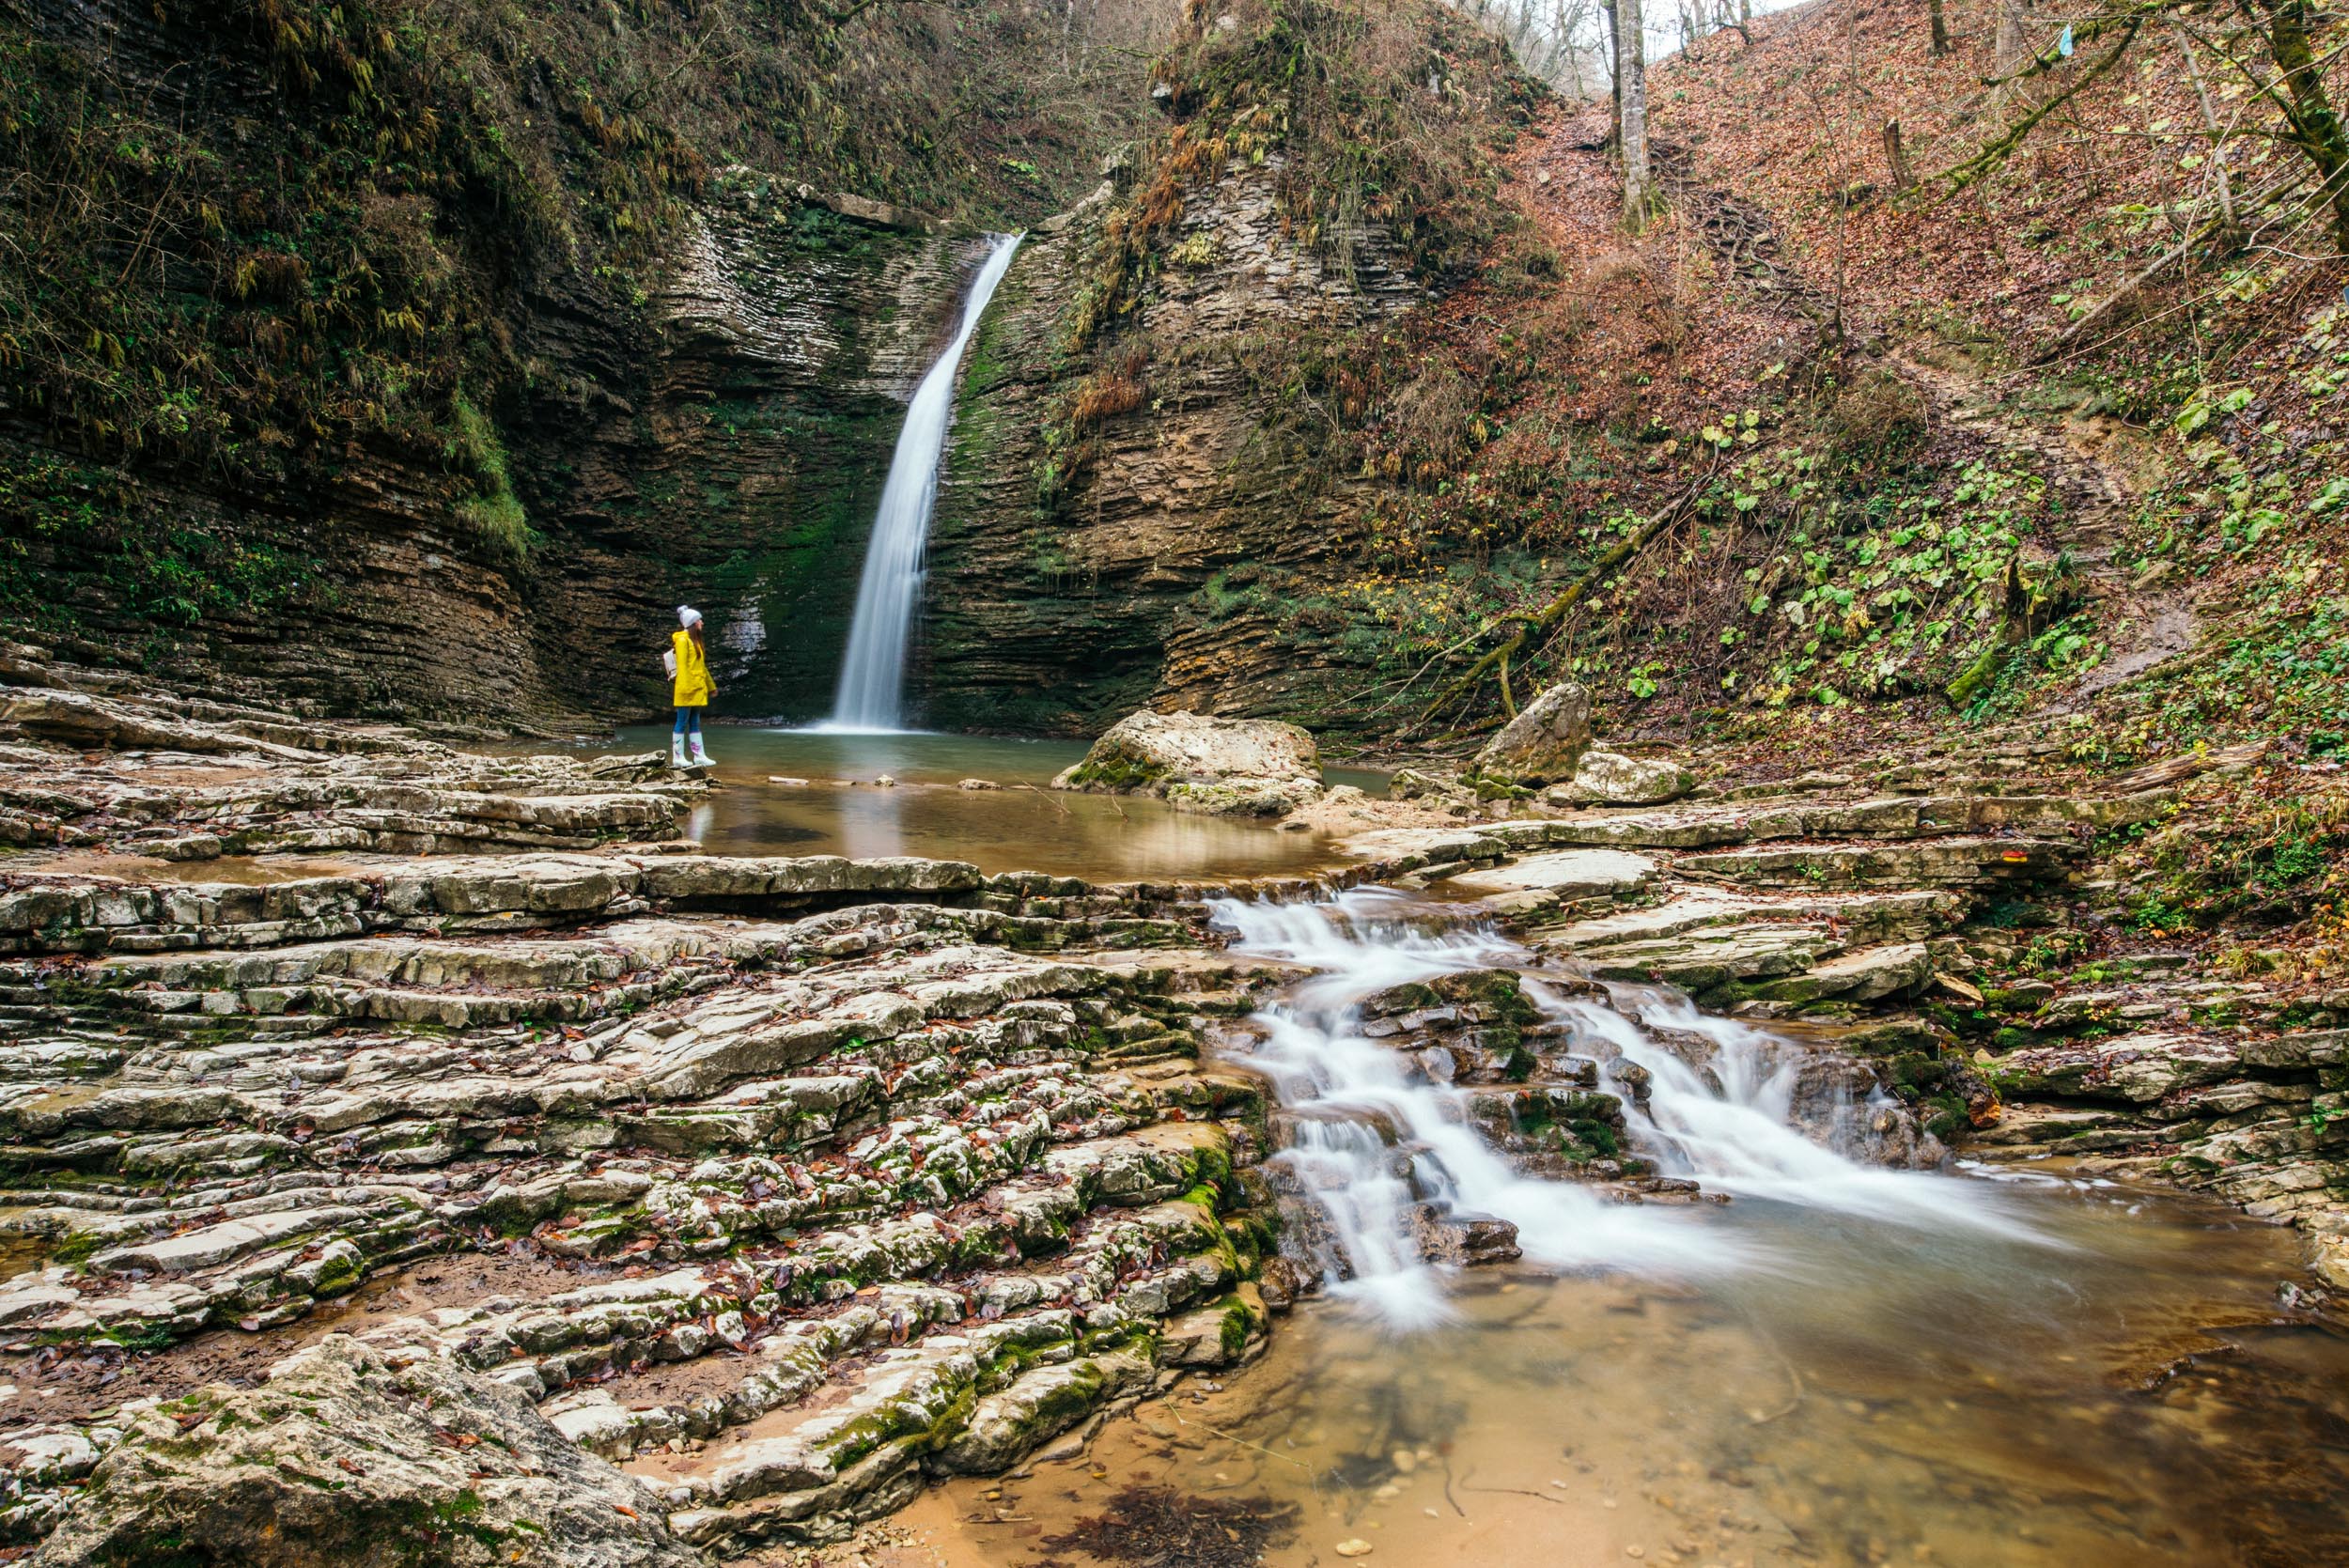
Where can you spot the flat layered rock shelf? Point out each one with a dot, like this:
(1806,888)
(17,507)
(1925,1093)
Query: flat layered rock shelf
(733,1197)
(943,1151)
(92,763)
(1892,924)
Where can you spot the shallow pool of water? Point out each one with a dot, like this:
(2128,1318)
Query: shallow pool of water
(1023,825)
(2111,1384)
(1840,1362)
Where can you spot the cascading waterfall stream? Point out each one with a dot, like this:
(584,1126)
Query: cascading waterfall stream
(1346,1094)
(1740,1138)
(871,695)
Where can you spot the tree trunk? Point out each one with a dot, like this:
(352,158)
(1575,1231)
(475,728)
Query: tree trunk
(1903,178)
(1940,31)
(2007,52)
(1614,71)
(2316,126)
(2210,124)
(1639,187)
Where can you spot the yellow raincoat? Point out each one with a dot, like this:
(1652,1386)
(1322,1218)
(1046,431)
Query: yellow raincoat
(692,686)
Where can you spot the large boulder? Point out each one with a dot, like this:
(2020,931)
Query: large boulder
(1544,742)
(1241,766)
(1610,779)
(346,1458)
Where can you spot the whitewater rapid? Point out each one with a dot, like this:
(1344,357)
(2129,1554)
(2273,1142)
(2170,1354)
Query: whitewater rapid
(1372,1139)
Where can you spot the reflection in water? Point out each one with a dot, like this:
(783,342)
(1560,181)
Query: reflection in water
(1840,1366)
(1021,825)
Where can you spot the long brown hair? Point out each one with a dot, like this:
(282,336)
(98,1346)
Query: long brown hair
(699,645)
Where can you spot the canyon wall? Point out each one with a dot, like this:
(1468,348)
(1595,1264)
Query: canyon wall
(406,358)
(742,470)
(723,447)
(1055,608)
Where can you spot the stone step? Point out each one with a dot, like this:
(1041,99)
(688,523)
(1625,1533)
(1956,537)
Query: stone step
(1971,862)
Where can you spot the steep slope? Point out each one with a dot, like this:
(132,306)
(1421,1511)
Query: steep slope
(415,357)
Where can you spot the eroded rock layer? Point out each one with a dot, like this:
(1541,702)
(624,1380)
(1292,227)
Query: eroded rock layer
(783,1183)
(943,1133)
(91,762)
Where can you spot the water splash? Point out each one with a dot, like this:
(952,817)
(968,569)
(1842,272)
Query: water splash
(1729,1120)
(1347,1095)
(871,695)
(1372,1143)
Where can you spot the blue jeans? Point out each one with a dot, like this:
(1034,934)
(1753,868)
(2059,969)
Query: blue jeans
(689,721)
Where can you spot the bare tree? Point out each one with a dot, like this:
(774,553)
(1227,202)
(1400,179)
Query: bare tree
(2014,19)
(2210,124)
(1941,30)
(1639,185)
(1557,40)
(2272,45)
(1614,69)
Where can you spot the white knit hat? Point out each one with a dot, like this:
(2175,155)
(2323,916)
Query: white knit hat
(687,615)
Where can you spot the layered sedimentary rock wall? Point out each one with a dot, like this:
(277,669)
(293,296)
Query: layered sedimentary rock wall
(1062,599)
(725,446)
(743,464)
(477,351)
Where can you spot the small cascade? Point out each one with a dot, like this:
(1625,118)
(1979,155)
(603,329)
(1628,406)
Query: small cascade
(1376,1145)
(1755,1115)
(1347,1095)
(871,695)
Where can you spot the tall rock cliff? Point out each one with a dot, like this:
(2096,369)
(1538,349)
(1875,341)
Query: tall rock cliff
(416,359)
(1159,453)
(1057,612)
(742,464)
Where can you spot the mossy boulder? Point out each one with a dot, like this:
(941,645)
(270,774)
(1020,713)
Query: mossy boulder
(1543,743)
(1223,767)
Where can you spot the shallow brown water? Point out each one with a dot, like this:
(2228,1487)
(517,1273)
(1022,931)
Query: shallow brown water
(1019,826)
(1022,826)
(2127,1392)
(247,870)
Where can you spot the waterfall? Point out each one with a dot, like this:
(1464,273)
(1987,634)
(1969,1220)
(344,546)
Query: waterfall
(871,695)
(1370,1140)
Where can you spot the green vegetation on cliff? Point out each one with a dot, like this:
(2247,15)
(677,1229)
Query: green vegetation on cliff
(256,244)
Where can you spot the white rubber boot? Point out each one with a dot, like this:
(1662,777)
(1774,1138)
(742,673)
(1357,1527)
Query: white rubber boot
(701,758)
(677,750)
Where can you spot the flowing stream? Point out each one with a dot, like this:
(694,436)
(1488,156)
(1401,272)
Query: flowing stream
(1842,1364)
(1725,1120)
(871,695)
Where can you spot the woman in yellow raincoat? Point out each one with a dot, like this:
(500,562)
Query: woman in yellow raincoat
(688,661)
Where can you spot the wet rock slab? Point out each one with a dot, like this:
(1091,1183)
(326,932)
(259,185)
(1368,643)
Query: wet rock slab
(879,1153)
(348,1455)
(142,774)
